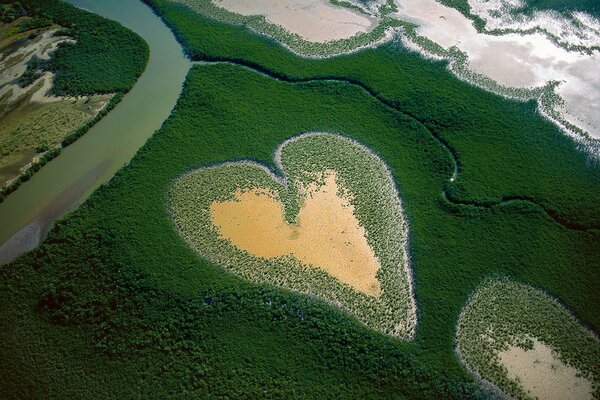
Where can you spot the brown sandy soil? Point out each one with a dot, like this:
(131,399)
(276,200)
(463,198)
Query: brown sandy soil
(543,375)
(327,234)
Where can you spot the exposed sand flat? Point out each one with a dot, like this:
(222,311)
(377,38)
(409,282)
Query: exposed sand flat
(314,20)
(514,60)
(543,376)
(327,236)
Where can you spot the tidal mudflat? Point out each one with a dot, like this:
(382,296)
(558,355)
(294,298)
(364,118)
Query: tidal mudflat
(521,57)
(33,121)
(314,20)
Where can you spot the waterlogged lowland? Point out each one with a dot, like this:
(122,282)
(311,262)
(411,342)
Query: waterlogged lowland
(521,59)
(525,60)
(148,291)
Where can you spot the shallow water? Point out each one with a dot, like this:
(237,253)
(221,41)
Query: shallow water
(67,181)
(513,60)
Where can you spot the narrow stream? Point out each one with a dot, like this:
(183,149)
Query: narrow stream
(28,214)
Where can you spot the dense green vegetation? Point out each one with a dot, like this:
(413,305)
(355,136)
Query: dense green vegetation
(175,323)
(81,68)
(116,293)
(117,272)
(504,149)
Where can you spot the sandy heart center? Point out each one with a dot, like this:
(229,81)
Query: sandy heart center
(327,234)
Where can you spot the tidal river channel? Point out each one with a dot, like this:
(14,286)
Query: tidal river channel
(63,184)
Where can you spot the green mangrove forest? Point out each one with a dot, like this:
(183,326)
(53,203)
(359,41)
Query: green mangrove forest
(115,304)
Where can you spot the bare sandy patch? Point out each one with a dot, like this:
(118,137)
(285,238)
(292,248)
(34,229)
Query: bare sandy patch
(314,20)
(327,234)
(543,375)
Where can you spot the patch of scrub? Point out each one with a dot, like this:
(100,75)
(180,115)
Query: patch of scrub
(528,63)
(327,234)
(332,227)
(526,345)
(307,27)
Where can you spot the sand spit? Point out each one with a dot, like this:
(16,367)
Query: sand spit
(543,375)
(314,20)
(518,60)
(327,234)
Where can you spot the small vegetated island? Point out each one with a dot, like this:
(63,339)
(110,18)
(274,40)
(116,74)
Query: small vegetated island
(61,70)
(527,345)
(331,226)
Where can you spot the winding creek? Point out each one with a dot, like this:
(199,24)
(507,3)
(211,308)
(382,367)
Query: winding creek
(28,214)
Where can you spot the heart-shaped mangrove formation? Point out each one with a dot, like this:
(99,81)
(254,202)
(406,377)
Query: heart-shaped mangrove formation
(332,226)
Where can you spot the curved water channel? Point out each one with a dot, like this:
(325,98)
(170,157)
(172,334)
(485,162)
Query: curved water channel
(28,214)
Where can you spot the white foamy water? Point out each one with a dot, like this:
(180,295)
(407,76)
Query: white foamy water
(521,60)
(581,30)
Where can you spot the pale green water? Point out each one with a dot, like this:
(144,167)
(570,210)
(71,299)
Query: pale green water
(64,183)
